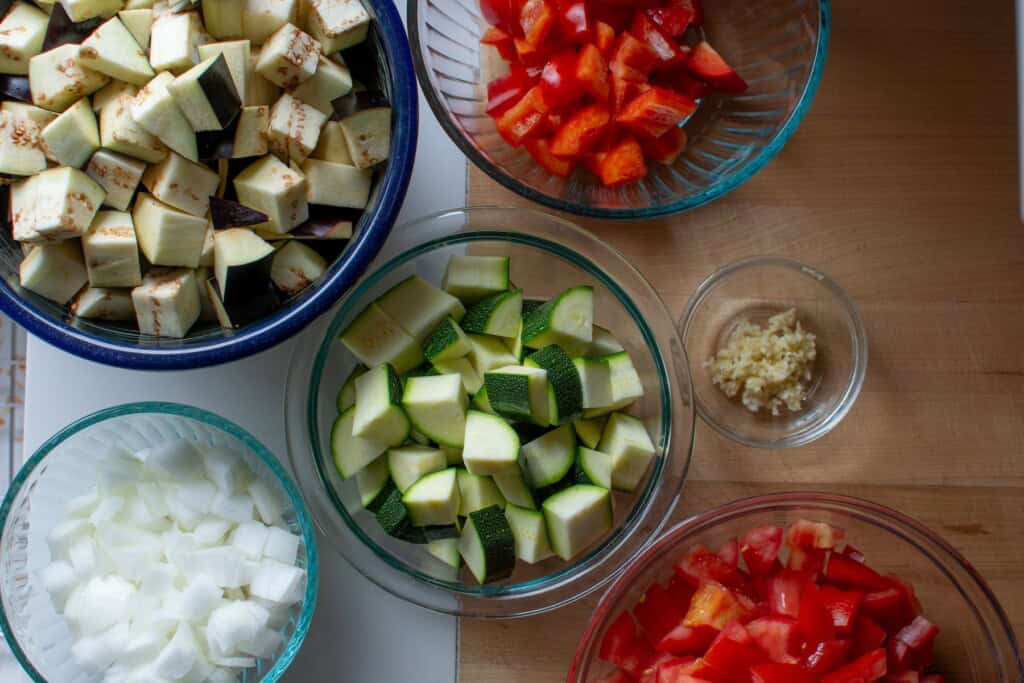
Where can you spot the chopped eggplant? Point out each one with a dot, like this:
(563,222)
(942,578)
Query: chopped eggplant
(112,50)
(242,263)
(338,24)
(368,134)
(225,213)
(57,204)
(259,90)
(61,30)
(54,271)
(81,10)
(223,18)
(273,188)
(259,304)
(206,257)
(207,95)
(110,93)
(72,137)
(262,18)
(118,175)
(294,129)
(37,115)
(167,236)
(331,81)
(173,41)
(121,133)
(112,251)
(289,57)
(16,87)
(182,184)
(21,37)
(155,111)
(57,78)
(217,144)
(139,23)
(331,184)
(20,151)
(237,54)
(167,302)
(251,133)
(357,100)
(332,145)
(324,225)
(103,303)
(295,267)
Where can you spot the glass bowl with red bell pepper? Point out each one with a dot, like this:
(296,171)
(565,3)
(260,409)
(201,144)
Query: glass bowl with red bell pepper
(619,108)
(799,588)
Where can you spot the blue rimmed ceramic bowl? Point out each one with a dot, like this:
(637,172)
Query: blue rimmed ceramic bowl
(65,467)
(123,347)
(548,254)
(778,46)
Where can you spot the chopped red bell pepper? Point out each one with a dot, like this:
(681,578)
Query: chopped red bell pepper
(653,114)
(537,18)
(501,41)
(574,23)
(591,73)
(657,613)
(604,38)
(540,150)
(632,58)
(700,564)
(622,646)
(827,656)
(730,552)
(710,67)
(854,554)
(734,652)
(503,14)
(912,646)
(687,640)
(865,669)
(558,81)
(844,607)
(784,593)
(777,636)
(617,676)
(677,672)
(713,604)
(934,678)
(760,548)
(781,673)
(847,572)
(529,54)
(890,608)
(649,33)
(680,592)
(814,622)
(806,534)
(525,119)
(654,664)
(504,92)
(867,635)
(694,7)
(625,90)
(582,132)
(672,20)
(809,561)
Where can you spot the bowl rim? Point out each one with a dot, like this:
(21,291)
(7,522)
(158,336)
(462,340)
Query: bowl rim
(860,348)
(671,390)
(864,509)
(286,322)
(211,419)
(769,151)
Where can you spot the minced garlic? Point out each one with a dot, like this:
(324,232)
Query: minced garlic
(770,365)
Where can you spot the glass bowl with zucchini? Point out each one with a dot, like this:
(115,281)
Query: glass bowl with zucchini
(497,418)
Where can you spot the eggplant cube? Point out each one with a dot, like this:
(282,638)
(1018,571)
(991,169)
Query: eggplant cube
(289,57)
(56,204)
(58,79)
(238,55)
(112,251)
(294,128)
(295,267)
(80,10)
(54,271)
(139,23)
(331,81)
(258,304)
(368,134)
(206,255)
(339,185)
(20,151)
(251,133)
(182,184)
(173,41)
(207,95)
(262,18)
(21,37)
(103,303)
(338,24)
(120,132)
(112,50)
(242,263)
(110,93)
(269,186)
(73,136)
(332,145)
(155,110)
(118,175)
(223,18)
(167,236)
(259,90)
(167,302)
(37,115)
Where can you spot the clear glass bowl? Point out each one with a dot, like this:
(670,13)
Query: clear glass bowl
(755,289)
(976,645)
(64,467)
(548,255)
(778,46)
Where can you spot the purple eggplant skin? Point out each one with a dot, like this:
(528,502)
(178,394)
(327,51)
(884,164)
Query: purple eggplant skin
(261,303)
(217,144)
(323,228)
(219,89)
(246,281)
(5,7)
(349,104)
(61,30)
(15,88)
(225,213)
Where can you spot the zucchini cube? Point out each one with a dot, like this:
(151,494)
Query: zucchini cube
(167,302)
(183,184)
(471,381)
(112,251)
(118,175)
(477,493)
(446,342)
(275,189)
(419,306)
(375,338)
(294,128)
(472,278)
(56,204)
(73,136)
(491,446)
(519,393)
(596,380)
(289,57)
(530,533)
(338,24)
(350,453)
(626,440)
(54,271)
(436,406)
(21,37)
(434,499)
(167,236)
(489,353)
(409,464)
(58,79)
(379,416)
(576,518)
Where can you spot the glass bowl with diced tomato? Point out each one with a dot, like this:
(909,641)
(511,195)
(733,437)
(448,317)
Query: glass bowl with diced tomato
(799,588)
(619,108)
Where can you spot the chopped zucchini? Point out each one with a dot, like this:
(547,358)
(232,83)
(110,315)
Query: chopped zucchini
(481,402)
(548,459)
(446,342)
(566,320)
(472,278)
(374,338)
(347,395)
(593,467)
(409,464)
(530,305)
(576,517)
(437,407)
(519,393)
(477,493)
(626,387)
(499,315)
(512,485)
(565,389)
(487,545)
(515,344)
(603,343)
(446,550)
(489,353)
(351,454)
(596,379)
(471,382)
(434,499)
(589,431)
(453,455)
(491,445)
(530,533)
(418,306)
(626,440)
(371,480)
(390,511)
(379,415)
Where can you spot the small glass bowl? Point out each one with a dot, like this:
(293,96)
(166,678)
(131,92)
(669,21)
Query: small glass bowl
(754,290)
(548,255)
(778,46)
(63,468)
(976,643)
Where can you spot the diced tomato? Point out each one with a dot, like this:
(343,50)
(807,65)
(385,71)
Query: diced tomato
(710,67)
(734,652)
(730,552)
(700,565)
(525,119)
(781,673)
(657,613)
(809,561)
(653,114)
(622,647)
(760,548)
(912,646)
(687,640)
(558,81)
(843,606)
(843,570)
(784,591)
(867,635)
(507,90)
(814,622)
(617,676)
(604,38)
(864,669)
(827,656)
(777,636)
(540,150)
(806,534)
(591,73)
(500,40)
(632,58)
(574,24)
(582,132)
(536,18)
(672,20)
(651,35)
(713,605)
(501,13)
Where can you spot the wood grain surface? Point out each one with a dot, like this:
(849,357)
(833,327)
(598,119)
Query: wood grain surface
(902,185)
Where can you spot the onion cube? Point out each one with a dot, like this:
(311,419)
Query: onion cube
(93,653)
(178,656)
(211,531)
(175,460)
(235,508)
(281,546)
(104,602)
(62,536)
(223,469)
(59,580)
(200,598)
(83,557)
(249,538)
(106,510)
(229,625)
(277,582)
(263,644)
(197,495)
(83,505)
(151,494)
(268,503)
(222,565)
(142,647)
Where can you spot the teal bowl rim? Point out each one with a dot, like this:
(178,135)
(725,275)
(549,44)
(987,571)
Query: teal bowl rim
(206,417)
(727,185)
(355,297)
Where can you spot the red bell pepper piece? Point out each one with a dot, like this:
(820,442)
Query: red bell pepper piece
(808,561)
(843,606)
(592,73)
(677,672)
(680,592)
(540,150)
(700,565)
(694,7)
(504,92)
(651,667)
(683,639)
(806,534)
(730,552)
(710,67)
(734,652)
(890,608)
(865,669)
(781,673)
(648,32)
(501,41)
(653,114)
(558,81)
(503,14)
(678,78)
(784,593)
(625,90)
(847,572)
(536,18)
(622,647)
(934,678)
(529,54)
(525,119)
(760,548)
(574,22)
(672,20)
(632,58)
(854,554)
(604,38)
(777,636)
(657,613)
(867,635)
(582,132)
(827,656)
(617,676)
(712,605)
(912,646)
(814,622)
